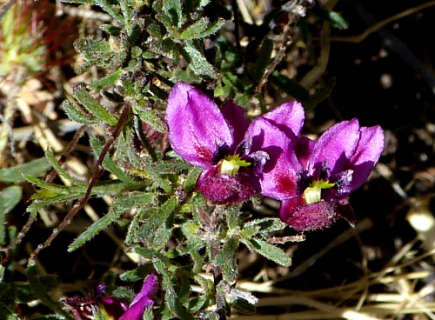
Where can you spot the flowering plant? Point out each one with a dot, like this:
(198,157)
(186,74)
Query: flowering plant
(167,182)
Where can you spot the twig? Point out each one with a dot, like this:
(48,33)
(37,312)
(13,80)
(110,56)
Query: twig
(80,203)
(49,178)
(286,40)
(382,23)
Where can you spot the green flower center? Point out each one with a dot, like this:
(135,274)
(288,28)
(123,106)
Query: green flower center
(313,193)
(232,164)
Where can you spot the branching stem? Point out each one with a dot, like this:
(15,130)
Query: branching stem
(80,203)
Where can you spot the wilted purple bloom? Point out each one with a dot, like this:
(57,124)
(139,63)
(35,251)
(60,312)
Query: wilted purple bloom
(143,300)
(314,179)
(85,308)
(232,152)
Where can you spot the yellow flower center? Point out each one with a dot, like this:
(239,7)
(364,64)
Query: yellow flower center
(313,193)
(232,164)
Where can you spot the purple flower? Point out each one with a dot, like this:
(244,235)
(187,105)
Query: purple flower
(314,179)
(232,152)
(143,300)
(113,308)
(84,308)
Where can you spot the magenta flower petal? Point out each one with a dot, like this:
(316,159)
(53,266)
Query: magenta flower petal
(235,117)
(304,148)
(196,126)
(222,188)
(279,176)
(143,299)
(307,217)
(289,117)
(149,288)
(136,311)
(366,155)
(335,147)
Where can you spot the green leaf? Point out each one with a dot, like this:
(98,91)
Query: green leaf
(192,177)
(201,29)
(226,259)
(155,230)
(77,115)
(268,251)
(106,81)
(134,199)
(33,168)
(175,306)
(9,198)
(289,86)
(95,51)
(45,185)
(173,10)
(333,17)
(232,215)
(62,172)
(266,224)
(108,163)
(337,20)
(93,106)
(264,58)
(136,274)
(107,6)
(151,118)
(197,62)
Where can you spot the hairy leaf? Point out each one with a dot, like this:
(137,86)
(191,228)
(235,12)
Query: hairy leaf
(132,200)
(268,251)
(33,168)
(77,115)
(93,106)
(226,259)
(197,62)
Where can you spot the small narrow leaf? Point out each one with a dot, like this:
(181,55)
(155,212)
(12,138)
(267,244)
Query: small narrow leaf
(333,17)
(289,86)
(62,172)
(172,8)
(269,251)
(136,274)
(92,105)
(226,259)
(264,57)
(150,117)
(33,168)
(117,209)
(175,306)
(106,81)
(192,177)
(201,29)
(9,198)
(75,114)
(45,185)
(267,224)
(197,62)
(108,163)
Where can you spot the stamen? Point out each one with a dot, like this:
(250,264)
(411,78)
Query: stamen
(313,193)
(231,165)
